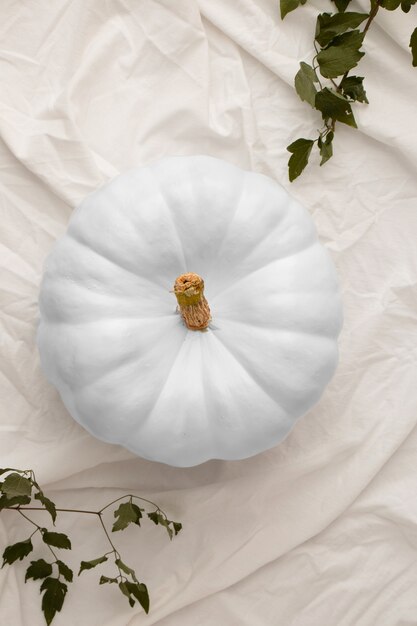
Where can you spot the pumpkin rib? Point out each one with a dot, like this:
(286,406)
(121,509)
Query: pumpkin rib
(103,255)
(171,218)
(228,227)
(246,276)
(315,333)
(250,374)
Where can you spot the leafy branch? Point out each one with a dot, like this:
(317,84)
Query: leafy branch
(17,488)
(338,46)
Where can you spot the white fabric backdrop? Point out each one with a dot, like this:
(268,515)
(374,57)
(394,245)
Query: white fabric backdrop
(323,528)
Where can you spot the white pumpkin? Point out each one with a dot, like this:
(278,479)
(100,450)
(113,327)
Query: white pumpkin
(113,343)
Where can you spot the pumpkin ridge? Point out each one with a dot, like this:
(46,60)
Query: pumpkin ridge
(250,374)
(171,217)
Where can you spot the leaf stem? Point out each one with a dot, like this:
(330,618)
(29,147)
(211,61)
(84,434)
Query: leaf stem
(38,528)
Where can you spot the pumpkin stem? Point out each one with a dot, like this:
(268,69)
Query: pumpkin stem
(193,306)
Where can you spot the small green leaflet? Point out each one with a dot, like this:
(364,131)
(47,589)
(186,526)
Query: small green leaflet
(126,569)
(341,5)
(65,571)
(3,470)
(352,87)
(304,83)
(341,55)
(6,502)
(407,4)
(329,26)
(48,504)
(177,527)
(16,485)
(53,598)
(300,150)
(38,569)
(413,46)
(326,148)
(127,513)
(17,551)
(286,6)
(390,5)
(138,591)
(90,564)
(157,518)
(106,579)
(59,540)
(334,106)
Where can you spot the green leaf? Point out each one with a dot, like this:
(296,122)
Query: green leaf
(352,87)
(334,106)
(65,571)
(407,4)
(17,551)
(177,527)
(304,83)
(286,6)
(53,598)
(38,569)
(90,564)
(341,5)
(16,485)
(390,5)
(300,150)
(154,517)
(126,569)
(140,592)
(123,588)
(48,504)
(413,46)
(127,513)
(342,55)
(106,579)
(329,26)
(59,540)
(326,148)
(6,503)
(3,470)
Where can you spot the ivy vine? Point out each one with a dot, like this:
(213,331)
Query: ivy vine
(338,44)
(17,488)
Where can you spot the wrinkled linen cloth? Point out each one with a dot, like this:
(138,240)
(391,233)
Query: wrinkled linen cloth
(321,530)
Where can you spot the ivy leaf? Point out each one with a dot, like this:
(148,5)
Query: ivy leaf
(38,569)
(16,485)
(334,106)
(65,571)
(3,470)
(300,150)
(157,518)
(304,83)
(140,592)
(53,598)
(106,579)
(48,504)
(90,564)
(413,46)
(341,55)
(341,5)
(329,26)
(126,569)
(326,148)
(390,5)
(59,540)
(127,513)
(6,502)
(407,4)
(17,551)
(352,87)
(286,6)
(123,588)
